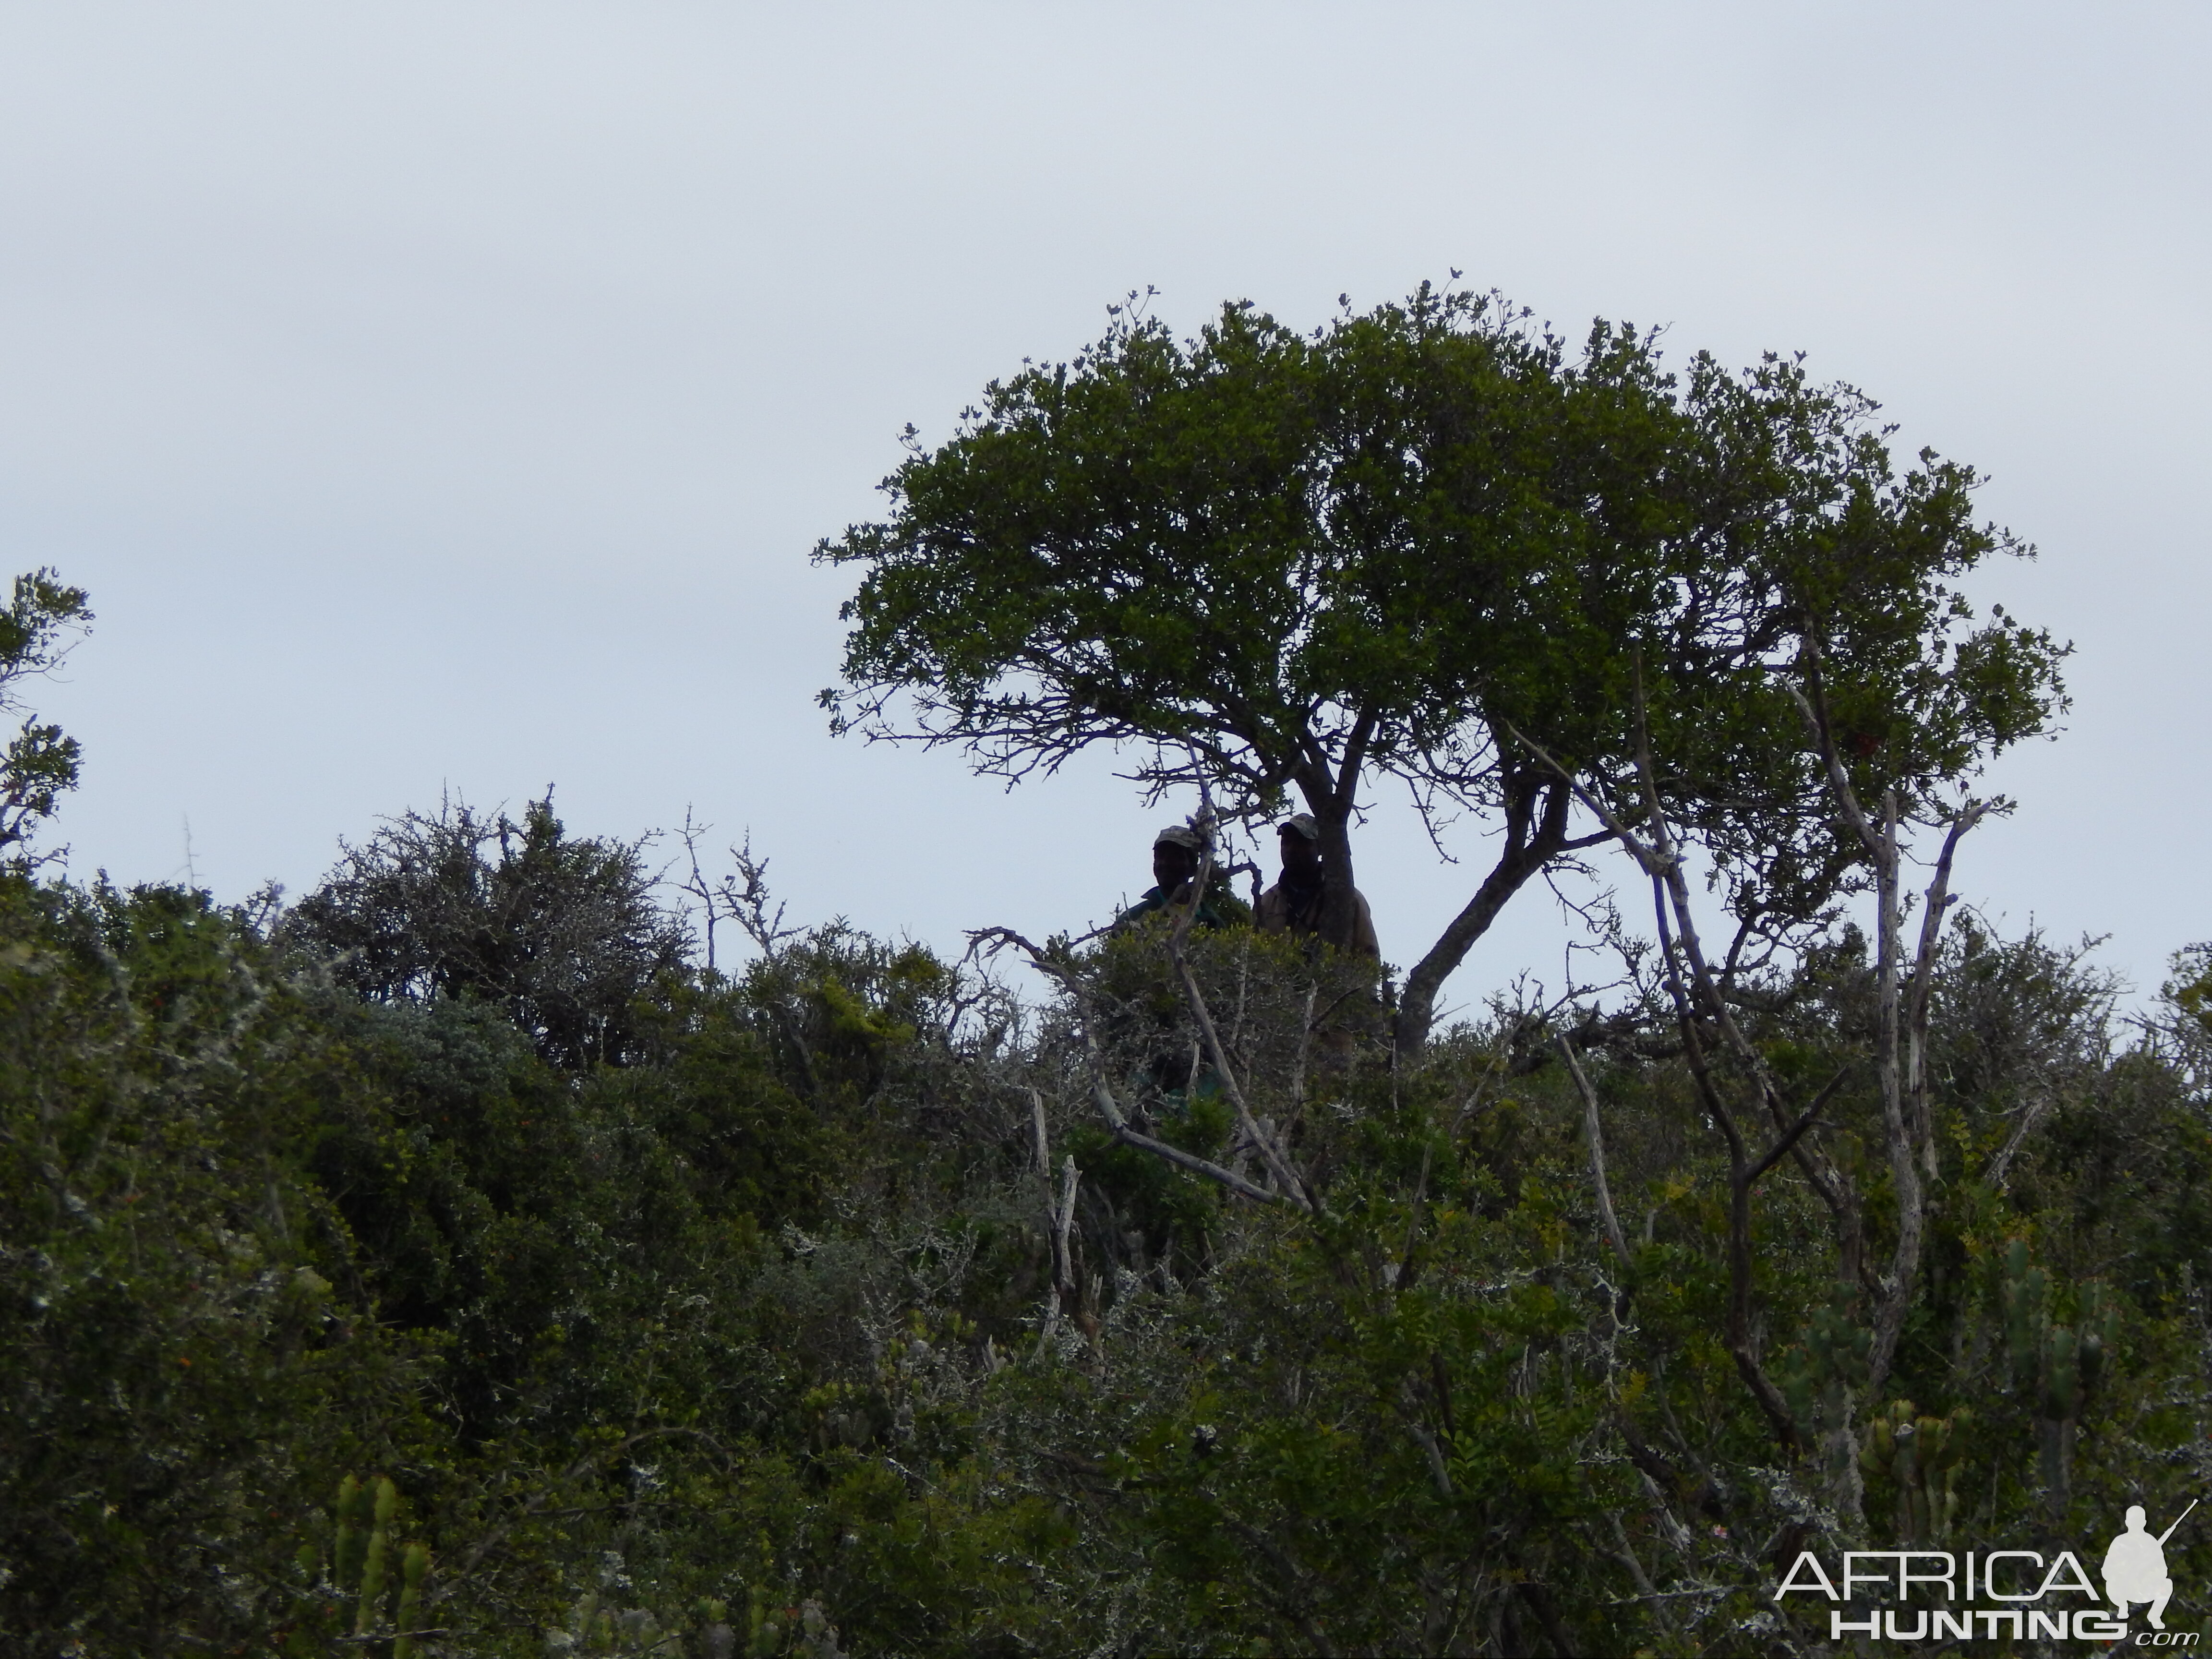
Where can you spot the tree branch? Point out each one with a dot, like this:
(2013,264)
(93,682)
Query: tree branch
(1790,1136)
(1101,1092)
(1596,1134)
(1292,1184)
(1520,861)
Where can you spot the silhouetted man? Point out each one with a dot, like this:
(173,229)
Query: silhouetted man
(1176,850)
(1292,905)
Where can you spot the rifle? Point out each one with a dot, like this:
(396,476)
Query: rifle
(2178,1520)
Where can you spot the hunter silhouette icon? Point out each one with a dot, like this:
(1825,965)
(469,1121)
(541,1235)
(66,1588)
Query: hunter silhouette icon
(2135,1566)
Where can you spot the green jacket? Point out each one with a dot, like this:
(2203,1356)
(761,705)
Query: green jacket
(1218,909)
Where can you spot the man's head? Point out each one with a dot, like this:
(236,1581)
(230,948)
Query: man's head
(2136,1518)
(1176,852)
(1301,842)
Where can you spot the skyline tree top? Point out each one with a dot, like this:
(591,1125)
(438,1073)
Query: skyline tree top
(1432,542)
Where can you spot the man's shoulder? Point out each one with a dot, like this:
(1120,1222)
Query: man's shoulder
(1153,900)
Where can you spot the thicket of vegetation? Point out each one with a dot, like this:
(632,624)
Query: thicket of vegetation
(469,1260)
(790,1333)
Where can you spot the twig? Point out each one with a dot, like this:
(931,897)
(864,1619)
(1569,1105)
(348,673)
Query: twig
(1293,1184)
(1679,944)
(989,939)
(1061,1217)
(1596,1135)
(1041,1146)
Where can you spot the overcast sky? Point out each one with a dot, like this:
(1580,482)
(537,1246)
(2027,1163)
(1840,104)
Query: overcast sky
(446,398)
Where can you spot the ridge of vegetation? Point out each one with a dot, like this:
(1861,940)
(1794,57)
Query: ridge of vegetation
(473,1259)
(791,1333)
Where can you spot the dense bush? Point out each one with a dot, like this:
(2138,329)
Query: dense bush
(759,1342)
(562,932)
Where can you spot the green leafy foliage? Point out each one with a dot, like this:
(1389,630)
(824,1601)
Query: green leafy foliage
(41,763)
(740,1346)
(182,1360)
(560,932)
(1432,542)
(454,1266)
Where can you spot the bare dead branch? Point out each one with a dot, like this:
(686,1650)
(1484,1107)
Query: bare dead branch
(989,939)
(1291,1183)
(1596,1132)
(1040,1144)
(1060,1219)
(1935,905)
(1814,709)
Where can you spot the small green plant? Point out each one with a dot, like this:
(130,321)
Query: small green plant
(1921,1455)
(2055,1367)
(361,1593)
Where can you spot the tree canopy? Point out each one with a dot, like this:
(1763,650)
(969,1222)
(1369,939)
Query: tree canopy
(41,763)
(1432,542)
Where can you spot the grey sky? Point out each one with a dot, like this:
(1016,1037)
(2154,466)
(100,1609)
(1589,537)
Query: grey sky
(448,397)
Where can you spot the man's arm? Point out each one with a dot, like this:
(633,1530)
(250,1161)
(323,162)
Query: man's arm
(1363,929)
(1272,914)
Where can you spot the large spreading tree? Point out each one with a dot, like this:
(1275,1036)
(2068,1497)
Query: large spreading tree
(1434,543)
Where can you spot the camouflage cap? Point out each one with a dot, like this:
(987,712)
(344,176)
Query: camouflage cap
(1303,824)
(1179,835)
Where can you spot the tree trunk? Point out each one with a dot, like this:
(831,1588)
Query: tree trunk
(1525,854)
(1330,792)
(1340,903)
